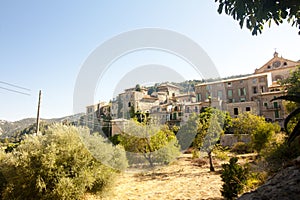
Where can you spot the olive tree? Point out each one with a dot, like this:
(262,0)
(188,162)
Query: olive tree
(57,165)
(157,144)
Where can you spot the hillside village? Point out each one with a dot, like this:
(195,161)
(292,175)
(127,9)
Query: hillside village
(167,105)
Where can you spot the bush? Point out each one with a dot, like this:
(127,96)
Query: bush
(56,165)
(221,152)
(195,153)
(221,155)
(255,179)
(282,154)
(241,148)
(261,132)
(116,139)
(234,177)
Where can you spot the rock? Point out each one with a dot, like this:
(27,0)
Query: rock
(285,185)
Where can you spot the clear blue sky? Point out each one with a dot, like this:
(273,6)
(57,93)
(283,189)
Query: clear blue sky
(43,44)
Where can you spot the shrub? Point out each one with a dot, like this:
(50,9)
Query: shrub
(282,154)
(56,165)
(255,179)
(116,139)
(221,154)
(234,177)
(241,148)
(195,153)
(261,132)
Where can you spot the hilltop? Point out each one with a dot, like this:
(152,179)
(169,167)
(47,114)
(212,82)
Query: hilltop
(7,128)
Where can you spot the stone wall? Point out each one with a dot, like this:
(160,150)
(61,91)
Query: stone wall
(230,139)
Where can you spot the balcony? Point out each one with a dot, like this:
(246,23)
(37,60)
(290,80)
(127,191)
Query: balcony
(272,107)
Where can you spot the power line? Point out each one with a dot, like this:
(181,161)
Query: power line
(16,86)
(11,90)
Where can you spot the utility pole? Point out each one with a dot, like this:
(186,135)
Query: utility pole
(38,114)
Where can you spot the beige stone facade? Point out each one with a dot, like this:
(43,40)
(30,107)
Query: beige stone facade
(251,93)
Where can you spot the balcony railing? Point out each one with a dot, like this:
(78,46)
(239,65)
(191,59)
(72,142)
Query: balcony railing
(272,107)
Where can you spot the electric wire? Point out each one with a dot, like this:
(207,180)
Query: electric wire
(15,90)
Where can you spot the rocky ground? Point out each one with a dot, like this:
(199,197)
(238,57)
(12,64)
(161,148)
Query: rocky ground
(183,179)
(284,185)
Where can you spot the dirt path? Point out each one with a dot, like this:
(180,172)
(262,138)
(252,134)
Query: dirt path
(180,180)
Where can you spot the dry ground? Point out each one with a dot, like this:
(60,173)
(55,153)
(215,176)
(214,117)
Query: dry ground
(182,179)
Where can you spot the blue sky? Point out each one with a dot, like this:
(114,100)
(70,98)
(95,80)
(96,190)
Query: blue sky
(43,45)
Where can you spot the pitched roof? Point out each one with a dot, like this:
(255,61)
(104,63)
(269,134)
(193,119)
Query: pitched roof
(276,63)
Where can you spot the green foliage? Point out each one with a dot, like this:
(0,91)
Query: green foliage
(292,121)
(155,143)
(282,154)
(234,177)
(188,132)
(212,123)
(241,148)
(195,153)
(30,130)
(263,135)
(221,153)
(246,123)
(204,130)
(138,87)
(56,165)
(294,115)
(255,179)
(10,147)
(116,139)
(292,83)
(260,131)
(256,13)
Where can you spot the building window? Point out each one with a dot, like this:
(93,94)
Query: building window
(254,81)
(262,88)
(235,111)
(229,84)
(243,99)
(275,104)
(129,104)
(229,93)
(196,109)
(208,87)
(206,95)
(198,97)
(220,94)
(229,100)
(248,109)
(276,112)
(242,91)
(266,104)
(254,90)
(188,109)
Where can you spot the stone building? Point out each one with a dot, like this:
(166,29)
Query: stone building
(251,93)
(96,115)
